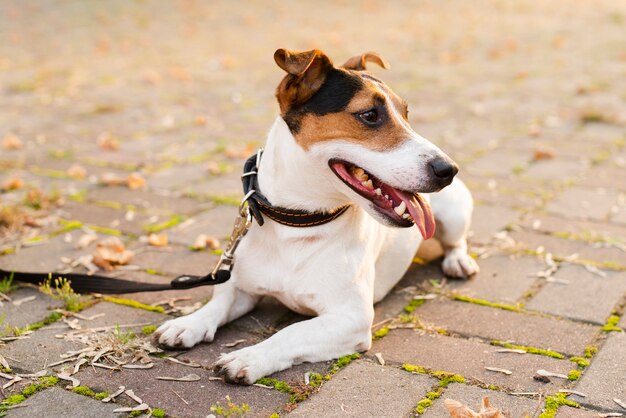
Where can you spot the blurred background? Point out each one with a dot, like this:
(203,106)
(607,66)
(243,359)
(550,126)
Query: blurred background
(132,115)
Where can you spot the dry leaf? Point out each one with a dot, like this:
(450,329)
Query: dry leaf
(4,363)
(77,171)
(157,240)
(111,252)
(12,183)
(546,373)
(496,369)
(213,168)
(379,357)
(11,142)
(75,382)
(138,366)
(188,363)
(203,241)
(112,179)
(200,120)
(141,407)
(85,240)
(108,142)
(457,410)
(135,181)
(543,153)
(152,76)
(114,395)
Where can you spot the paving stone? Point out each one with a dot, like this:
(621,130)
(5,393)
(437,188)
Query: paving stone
(268,316)
(178,177)
(497,324)
(587,297)
(45,256)
(27,313)
(584,230)
(487,220)
(604,379)
(566,247)
(472,396)
(367,389)
(44,348)
(56,402)
(216,222)
(91,214)
(568,412)
(175,260)
(199,395)
(469,358)
(546,169)
(147,200)
(501,163)
(502,278)
(584,203)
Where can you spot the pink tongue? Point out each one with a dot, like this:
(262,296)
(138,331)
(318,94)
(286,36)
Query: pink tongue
(421,213)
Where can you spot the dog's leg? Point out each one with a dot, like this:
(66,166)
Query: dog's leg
(325,337)
(452,208)
(228,303)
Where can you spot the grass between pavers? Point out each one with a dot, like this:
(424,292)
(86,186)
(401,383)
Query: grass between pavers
(160,226)
(299,393)
(528,349)
(482,302)
(553,403)
(43,383)
(133,304)
(444,378)
(230,410)
(90,393)
(611,324)
(6,284)
(61,289)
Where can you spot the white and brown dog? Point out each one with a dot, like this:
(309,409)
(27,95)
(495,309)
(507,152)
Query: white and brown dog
(343,137)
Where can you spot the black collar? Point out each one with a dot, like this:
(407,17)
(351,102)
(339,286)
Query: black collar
(259,205)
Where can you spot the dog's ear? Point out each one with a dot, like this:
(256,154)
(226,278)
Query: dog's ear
(359,62)
(306,72)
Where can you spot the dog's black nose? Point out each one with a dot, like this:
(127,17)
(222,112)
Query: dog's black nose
(444,169)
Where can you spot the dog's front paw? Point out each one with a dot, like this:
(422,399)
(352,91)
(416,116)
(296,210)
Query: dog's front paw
(244,366)
(458,263)
(185,331)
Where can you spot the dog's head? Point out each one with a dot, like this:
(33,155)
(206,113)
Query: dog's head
(358,127)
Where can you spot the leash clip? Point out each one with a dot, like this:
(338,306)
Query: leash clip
(240,229)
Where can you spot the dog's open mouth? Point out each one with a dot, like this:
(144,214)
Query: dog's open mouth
(402,208)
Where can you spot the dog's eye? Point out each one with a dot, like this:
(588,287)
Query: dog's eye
(370,117)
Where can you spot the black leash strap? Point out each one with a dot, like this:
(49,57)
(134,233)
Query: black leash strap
(257,206)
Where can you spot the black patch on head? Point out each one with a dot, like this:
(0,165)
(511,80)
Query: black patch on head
(338,89)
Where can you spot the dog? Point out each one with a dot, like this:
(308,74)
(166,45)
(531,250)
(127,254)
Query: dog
(342,138)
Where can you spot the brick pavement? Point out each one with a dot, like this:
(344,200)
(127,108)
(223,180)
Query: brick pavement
(528,97)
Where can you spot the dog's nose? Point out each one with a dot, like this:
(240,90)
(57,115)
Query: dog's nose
(444,170)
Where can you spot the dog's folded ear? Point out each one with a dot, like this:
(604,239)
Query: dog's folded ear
(359,62)
(306,72)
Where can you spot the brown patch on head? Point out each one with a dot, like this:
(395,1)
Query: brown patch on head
(306,72)
(322,103)
(347,125)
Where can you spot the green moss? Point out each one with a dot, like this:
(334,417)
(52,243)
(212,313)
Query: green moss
(423,405)
(482,302)
(433,395)
(611,324)
(343,362)
(554,402)
(276,384)
(62,290)
(530,350)
(153,272)
(149,329)
(107,231)
(14,399)
(48,172)
(231,409)
(102,395)
(134,304)
(84,390)
(274,415)
(413,305)
(590,351)
(158,413)
(581,362)
(225,200)
(316,379)
(135,414)
(53,317)
(158,227)
(380,333)
(6,284)
(411,368)
(574,375)
(447,378)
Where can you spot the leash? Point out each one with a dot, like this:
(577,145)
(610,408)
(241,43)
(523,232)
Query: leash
(253,206)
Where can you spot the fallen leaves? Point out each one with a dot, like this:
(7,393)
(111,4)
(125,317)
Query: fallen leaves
(188,378)
(203,241)
(11,142)
(133,181)
(12,183)
(108,142)
(110,253)
(77,171)
(158,240)
(457,410)
(543,153)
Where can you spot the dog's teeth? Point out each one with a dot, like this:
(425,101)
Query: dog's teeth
(359,173)
(368,184)
(378,192)
(405,216)
(387,196)
(400,209)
